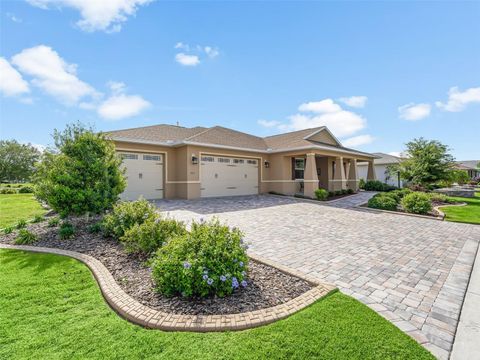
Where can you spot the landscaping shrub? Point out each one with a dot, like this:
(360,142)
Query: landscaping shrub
(148,237)
(344,191)
(350,191)
(25,237)
(22,223)
(38,218)
(83,176)
(417,203)
(210,259)
(7,230)
(126,214)
(437,197)
(321,194)
(53,222)
(376,185)
(383,202)
(331,193)
(338,192)
(66,231)
(95,228)
(361,184)
(8,191)
(25,189)
(401,192)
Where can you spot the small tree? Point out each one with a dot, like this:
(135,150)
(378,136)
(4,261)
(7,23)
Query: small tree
(17,160)
(458,176)
(426,162)
(83,175)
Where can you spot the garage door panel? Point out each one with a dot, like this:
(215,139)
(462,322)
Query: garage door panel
(144,173)
(224,176)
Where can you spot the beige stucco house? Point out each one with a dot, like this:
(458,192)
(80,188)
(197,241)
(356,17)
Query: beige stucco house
(165,161)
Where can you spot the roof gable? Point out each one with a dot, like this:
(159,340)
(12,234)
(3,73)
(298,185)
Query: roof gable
(323,135)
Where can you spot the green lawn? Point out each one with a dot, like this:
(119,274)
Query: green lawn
(14,207)
(468,214)
(51,308)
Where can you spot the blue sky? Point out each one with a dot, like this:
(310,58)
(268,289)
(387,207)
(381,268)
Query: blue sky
(377,73)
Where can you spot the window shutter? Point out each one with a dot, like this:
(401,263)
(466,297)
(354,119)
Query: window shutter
(293,168)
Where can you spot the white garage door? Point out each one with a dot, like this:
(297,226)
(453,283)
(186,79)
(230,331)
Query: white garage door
(228,176)
(144,173)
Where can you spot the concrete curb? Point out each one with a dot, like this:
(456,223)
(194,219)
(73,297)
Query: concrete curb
(135,312)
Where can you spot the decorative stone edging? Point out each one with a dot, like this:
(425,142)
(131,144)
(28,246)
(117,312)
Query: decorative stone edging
(442,214)
(132,310)
(438,218)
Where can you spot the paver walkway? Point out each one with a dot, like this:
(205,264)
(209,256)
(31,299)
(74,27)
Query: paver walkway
(411,270)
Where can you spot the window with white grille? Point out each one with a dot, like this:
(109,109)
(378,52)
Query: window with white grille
(252,162)
(129,156)
(224,160)
(208,158)
(151,157)
(238,161)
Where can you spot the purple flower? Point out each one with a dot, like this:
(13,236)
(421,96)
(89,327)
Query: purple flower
(210,281)
(240,263)
(223,278)
(243,283)
(205,277)
(187,265)
(234,282)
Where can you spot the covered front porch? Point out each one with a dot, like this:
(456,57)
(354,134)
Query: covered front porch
(316,170)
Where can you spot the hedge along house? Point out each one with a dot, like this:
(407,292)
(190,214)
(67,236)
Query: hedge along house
(166,161)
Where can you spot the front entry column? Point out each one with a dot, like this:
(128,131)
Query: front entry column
(371,171)
(310,177)
(339,180)
(352,182)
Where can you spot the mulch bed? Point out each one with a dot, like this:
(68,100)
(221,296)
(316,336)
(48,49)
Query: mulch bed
(267,286)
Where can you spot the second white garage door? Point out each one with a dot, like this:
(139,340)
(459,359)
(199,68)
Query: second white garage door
(228,176)
(144,173)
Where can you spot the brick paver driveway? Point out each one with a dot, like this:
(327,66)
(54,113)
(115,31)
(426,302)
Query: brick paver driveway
(411,270)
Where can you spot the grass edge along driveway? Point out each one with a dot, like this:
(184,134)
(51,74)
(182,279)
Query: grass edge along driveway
(53,308)
(469,213)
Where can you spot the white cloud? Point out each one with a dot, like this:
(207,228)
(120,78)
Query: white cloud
(458,100)
(11,81)
(13,17)
(322,106)
(105,15)
(268,123)
(187,60)
(122,106)
(341,123)
(354,101)
(193,55)
(414,112)
(395,153)
(52,74)
(321,113)
(211,52)
(117,87)
(358,140)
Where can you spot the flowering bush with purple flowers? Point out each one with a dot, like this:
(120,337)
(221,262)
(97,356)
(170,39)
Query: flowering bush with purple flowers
(211,259)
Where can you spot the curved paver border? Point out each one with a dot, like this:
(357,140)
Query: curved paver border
(137,313)
(442,214)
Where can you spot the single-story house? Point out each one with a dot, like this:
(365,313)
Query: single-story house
(381,164)
(470,166)
(166,161)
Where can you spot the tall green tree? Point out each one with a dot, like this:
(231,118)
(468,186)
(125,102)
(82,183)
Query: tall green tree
(83,175)
(426,162)
(17,161)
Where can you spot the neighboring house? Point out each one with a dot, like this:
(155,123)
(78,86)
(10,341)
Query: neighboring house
(470,166)
(165,161)
(381,164)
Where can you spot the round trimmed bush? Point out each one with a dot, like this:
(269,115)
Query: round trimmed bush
(8,191)
(125,215)
(152,234)
(383,202)
(209,260)
(417,203)
(25,189)
(321,194)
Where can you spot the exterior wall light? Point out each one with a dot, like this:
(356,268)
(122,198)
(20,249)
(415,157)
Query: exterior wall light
(267,164)
(194,159)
